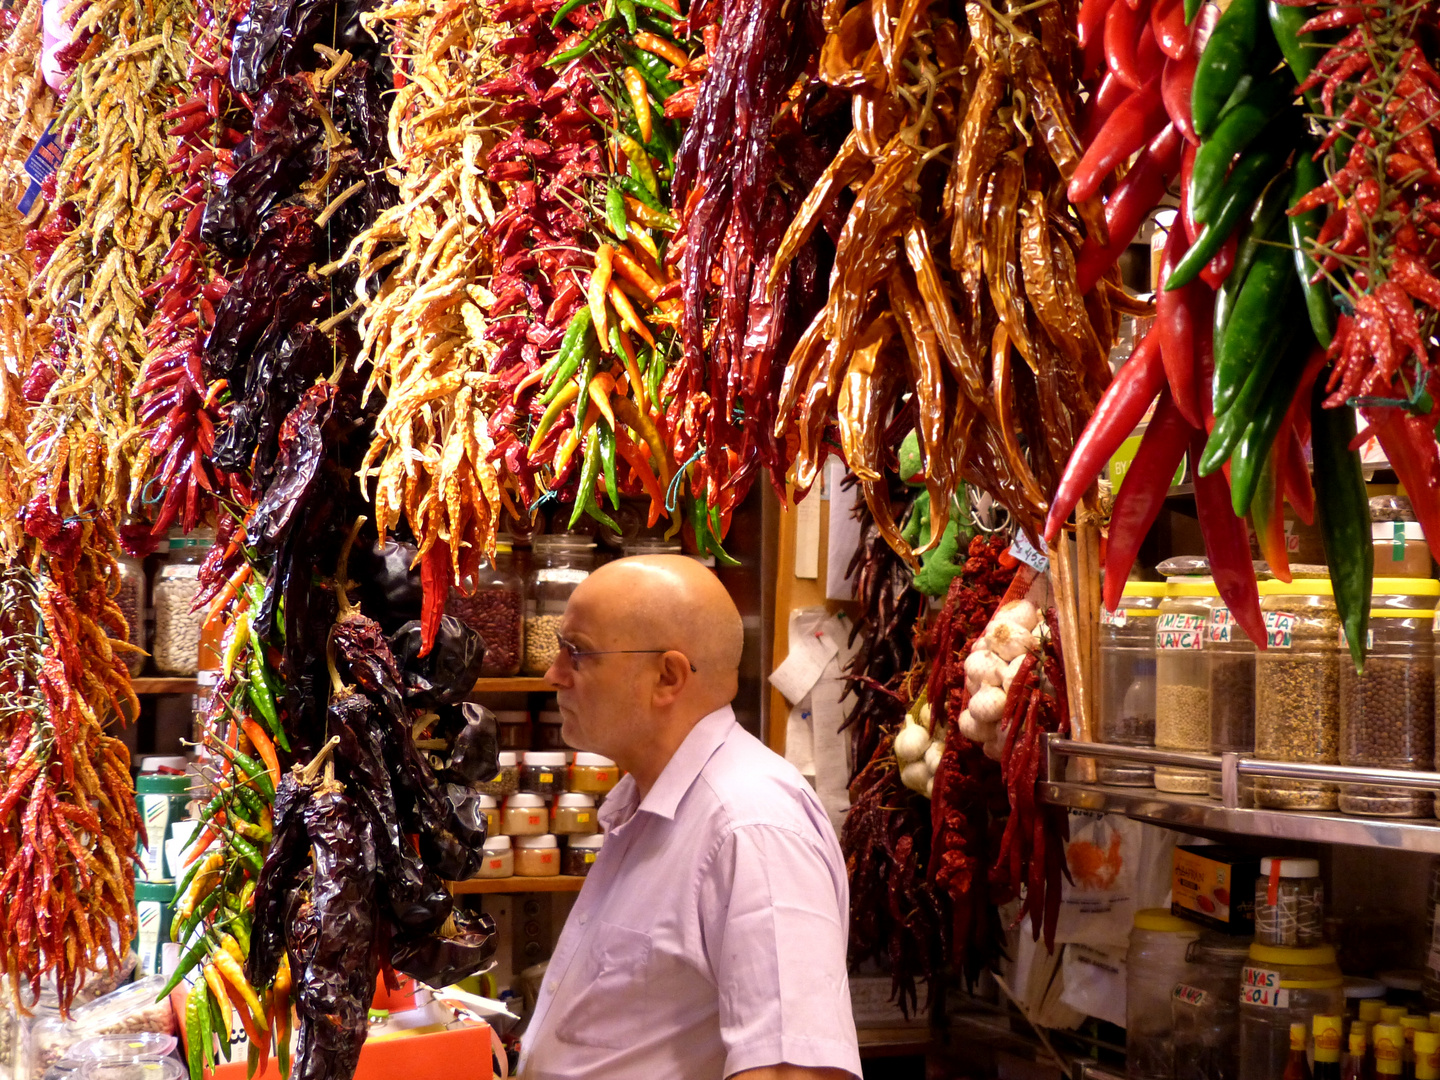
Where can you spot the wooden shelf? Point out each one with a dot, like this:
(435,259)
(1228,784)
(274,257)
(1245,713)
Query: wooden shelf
(563,883)
(164,686)
(518,685)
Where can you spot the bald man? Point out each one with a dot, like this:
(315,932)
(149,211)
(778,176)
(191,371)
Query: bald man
(709,939)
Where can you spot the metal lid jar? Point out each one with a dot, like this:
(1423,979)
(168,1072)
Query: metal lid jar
(1154,964)
(1297,689)
(1400,548)
(1387,712)
(493,604)
(1206,1009)
(1280,987)
(1127,679)
(1182,671)
(562,561)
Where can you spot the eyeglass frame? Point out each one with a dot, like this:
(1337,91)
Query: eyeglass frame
(572,652)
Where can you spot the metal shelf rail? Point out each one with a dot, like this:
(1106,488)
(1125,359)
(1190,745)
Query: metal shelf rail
(1196,813)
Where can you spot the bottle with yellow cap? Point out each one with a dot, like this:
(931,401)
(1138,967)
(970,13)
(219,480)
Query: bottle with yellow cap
(1327,1047)
(1297,1067)
(1427,1055)
(1389,1050)
(1370,1010)
(1410,1025)
(1357,1064)
(1391,1014)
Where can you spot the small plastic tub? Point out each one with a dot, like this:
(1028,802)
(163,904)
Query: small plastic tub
(498,860)
(573,815)
(507,776)
(580,852)
(542,772)
(593,774)
(137,1046)
(537,856)
(524,815)
(148,1069)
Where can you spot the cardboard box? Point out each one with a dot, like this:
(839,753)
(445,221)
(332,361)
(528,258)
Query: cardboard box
(1214,886)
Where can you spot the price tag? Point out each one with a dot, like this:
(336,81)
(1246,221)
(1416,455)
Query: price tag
(1221,624)
(1178,631)
(1259,986)
(1114,618)
(1025,552)
(1189,995)
(1279,629)
(41,165)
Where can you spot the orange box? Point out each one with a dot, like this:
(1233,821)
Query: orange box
(459,1054)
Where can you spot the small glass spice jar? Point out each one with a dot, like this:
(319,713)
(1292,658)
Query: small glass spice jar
(593,774)
(1182,671)
(547,731)
(498,859)
(573,814)
(493,604)
(176,647)
(507,776)
(513,729)
(1400,548)
(1289,903)
(524,815)
(562,561)
(1127,679)
(1387,713)
(580,852)
(537,856)
(1297,688)
(542,772)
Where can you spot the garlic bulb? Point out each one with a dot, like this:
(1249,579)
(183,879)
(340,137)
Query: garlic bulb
(985,667)
(1011,670)
(915,776)
(1022,613)
(911,743)
(1007,640)
(988,705)
(932,756)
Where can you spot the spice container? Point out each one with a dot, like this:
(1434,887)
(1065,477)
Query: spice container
(495,608)
(141,1046)
(1297,690)
(1154,965)
(1289,903)
(1280,987)
(154,903)
(1127,679)
(580,852)
(562,561)
(513,729)
(153,1068)
(507,776)
(537,856)
(1206,1009)
(161,799)
(547,731)
(1232,689)
(1182,673)
(1400,548)
(593,774)
(130,598)
(1387,713)
(542,772)
(176,647)
(573,814)
(524,815)
(490,808)
(498,860)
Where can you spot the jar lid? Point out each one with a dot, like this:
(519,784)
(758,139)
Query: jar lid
(594,840)
(161,784)
(553,541)
(507,759)
(593,761)
(542,842)
(1183,566)
(1220,947)
(575,802)
(1160,919)
(1407,982)
(524,801)
(497,843)
(1391,508)
(1315,956)
(1402,586)
(1197,586)
(1150,589)
(161,892)
(1357,987)
(500,549)
(553,716)
(1297,587)
(553,758)
(1296,868)
(487,802)
(512,716)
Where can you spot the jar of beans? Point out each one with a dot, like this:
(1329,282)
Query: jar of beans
(493,604)
(176,646)
(1387,713)
(1232,688)
(562,561)
(1127,679)
(1400,548)
(1182,671)
(1297,688)
(131,600)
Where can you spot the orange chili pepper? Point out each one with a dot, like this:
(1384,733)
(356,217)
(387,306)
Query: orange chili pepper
(598,289)
(264,747)
(227,594)
(217,987)
(632,367)
(647,216)
(601,387)
(629,316)
(634,273)
(654,43)
(640,466)
(640,98)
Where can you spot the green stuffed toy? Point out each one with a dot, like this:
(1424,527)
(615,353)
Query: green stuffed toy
(940,564)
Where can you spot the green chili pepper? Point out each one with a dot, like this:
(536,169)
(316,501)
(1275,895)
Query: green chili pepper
(1342,510)
(1254,447)
(1300,54)
(639,160)
(721,556)
(587,372)
(636,190)
(240,929)
(248,853)
(181,934)
(653,70)
(568,344)
(1236,130)
(1245,399)
(1255,234)
(250,799)
(586,46)
(1227,57)
(654,25)
(217,1023)
(589,470)
(197,1014)
(615,215)
(189,877)
(565,9)
(1304,228)
(188,960)
(261,691)
(627,12)
(594,510)
(1192,8)
(607,461)
(253,770)
(1246,182)
(585,345)
(1257,326)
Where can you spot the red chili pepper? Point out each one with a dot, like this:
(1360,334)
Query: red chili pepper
(435,581)
(190,107)
(1227,546)
(1409,444)
(1130,204)
(640,467)
(1143,491)
(189,126)
(1178,322)
(1167,20)
(1120,409)
(1102,103)
(1218,268)
(1177,80)
(1123,27)
(1090,29)
(1135,120)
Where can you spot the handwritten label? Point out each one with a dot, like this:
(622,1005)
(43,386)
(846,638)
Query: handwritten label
(41,165)
(1260,986)
(1178,631)
(1292,538)
(1025,551)
(1345,640)
(1189,995)
(1279,629)
(1221,623)
(1114,618)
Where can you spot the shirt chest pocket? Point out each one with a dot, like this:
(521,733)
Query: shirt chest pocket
(613,974)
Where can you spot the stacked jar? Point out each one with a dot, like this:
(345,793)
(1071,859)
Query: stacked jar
(555,799)
(1280,987)
(1127,679)
(1297,688)
(1182,671)
(176,647)
(1154,965)
(1206,1010)
(1232,689)
(562,561)
(493,604)
(1387,713)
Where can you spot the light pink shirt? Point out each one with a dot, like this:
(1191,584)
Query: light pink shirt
(710,935)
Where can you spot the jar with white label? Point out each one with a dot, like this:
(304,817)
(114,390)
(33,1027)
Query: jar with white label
(542,772)
(1280,987)
(1297,689)
(1154,965)
(524,815)
(573,815)
(1289,903)
(1206,1011)
(1182,674)
(498,859)
(537,856)
(1127,680)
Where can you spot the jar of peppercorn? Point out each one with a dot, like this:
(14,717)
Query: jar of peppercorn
(493,604)
(1127,679)
(1182,671)
(1387,712)
(562,561)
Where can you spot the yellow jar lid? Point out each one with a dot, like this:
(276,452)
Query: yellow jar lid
(1401,586)
(1298,587)
(1191,587)
(1152,589)
(1316,956)
(1160,919)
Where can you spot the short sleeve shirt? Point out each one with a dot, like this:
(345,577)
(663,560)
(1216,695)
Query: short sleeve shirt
(710,935)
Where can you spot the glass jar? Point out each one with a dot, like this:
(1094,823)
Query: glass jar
(176,647)
(498,860)
(1154,965)
(651,545)
(495,608)
(1400,548)
(573,814)
(1127,679)
(507,776)
(131,600)
(580,852)
(537,856)
(1232,690)
(1387,713)
(593,774)
(542,772)
(1206,1009)
(548,735)
(1297,690)
(513,730)
(1289,903)
(524,815)
(562,561)
(1280,987)
(1182,678)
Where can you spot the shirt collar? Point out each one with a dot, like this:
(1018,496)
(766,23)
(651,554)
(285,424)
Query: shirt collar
(676,778)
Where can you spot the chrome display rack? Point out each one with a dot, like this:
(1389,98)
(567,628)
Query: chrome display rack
(1198,814)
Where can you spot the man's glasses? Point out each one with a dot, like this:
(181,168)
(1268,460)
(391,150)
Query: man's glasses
(573,653)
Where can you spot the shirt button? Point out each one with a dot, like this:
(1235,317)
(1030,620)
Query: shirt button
(584,919)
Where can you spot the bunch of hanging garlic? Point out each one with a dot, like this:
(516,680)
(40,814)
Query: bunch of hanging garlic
(1016,630)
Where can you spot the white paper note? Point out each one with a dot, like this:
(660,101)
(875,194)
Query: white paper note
(810,650)
(844,534)
(807,537)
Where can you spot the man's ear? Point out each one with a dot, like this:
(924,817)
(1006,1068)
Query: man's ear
(675,675)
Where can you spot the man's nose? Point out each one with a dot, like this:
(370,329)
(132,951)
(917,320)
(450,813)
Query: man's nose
(558,674)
